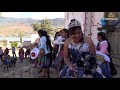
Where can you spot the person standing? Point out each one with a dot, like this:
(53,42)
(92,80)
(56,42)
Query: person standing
(6,50)
(1,53)
(21,54)
(59,62)
(45,44)
(13,51)
(34,54)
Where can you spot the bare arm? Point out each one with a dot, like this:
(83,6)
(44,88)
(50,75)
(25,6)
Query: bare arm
(37,40)
(91,45)
(66,54)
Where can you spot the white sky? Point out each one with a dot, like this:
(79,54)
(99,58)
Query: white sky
(34,15)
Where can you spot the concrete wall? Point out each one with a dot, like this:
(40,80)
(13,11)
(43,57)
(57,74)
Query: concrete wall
(114,38)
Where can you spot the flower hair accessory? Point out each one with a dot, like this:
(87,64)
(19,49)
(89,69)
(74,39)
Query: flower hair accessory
(73,23)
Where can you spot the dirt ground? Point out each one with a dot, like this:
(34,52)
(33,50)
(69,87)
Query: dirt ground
(26,70)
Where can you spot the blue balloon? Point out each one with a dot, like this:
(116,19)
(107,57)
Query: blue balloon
(103,22)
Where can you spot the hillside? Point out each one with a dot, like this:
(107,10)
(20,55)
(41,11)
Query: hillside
(13,26)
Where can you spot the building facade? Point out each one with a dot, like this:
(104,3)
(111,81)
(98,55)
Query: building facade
(90,21)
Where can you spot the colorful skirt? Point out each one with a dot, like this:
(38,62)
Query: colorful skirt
(44,61)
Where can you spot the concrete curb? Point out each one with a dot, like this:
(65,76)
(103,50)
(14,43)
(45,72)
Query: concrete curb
(116,61)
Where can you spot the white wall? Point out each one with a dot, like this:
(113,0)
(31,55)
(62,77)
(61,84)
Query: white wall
(97,16)
(33,37)
(74,15)
(81,17)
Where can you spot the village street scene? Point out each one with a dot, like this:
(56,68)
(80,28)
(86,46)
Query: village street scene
(59,45)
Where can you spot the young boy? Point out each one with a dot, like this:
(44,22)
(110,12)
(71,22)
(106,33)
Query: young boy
(6,60)
(34,54)
(13,61)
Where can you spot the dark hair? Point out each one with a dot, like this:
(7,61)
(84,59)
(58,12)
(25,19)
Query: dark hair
(103,36)
(66,31)
(73,29)
(56,34)
(41,32)
(48,41)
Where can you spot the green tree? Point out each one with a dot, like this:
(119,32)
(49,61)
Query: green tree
(20,37)
(46,25)
(4,43)
(14,44)
(36,26)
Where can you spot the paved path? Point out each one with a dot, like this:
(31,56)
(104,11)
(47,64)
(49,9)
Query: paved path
(26,70)
(23,70)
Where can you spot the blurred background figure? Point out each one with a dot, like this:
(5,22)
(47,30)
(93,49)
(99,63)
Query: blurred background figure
(21,54)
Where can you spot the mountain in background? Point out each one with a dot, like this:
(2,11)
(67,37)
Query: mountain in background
(13,26)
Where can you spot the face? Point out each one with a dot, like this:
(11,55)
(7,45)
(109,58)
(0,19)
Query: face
(32,46)
(98,38)
(63,34)
(77,35)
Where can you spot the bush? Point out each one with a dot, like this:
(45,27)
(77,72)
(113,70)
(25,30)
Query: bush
(14,44)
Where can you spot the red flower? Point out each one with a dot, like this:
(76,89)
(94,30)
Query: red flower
(33,54)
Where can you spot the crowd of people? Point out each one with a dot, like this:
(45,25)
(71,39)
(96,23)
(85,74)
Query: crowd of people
(71,54)
(8,60)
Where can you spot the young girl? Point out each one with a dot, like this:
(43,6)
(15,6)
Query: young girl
(104,48)
(21,54)
(43,63)
(55,48)
(45,44)
(59,62)
(6,60)
(34,54)
(74,47)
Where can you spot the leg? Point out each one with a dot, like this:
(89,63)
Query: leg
(15,54)
(4,68)
(35,63)
(7,67)
(47,73)
(1,57)
(40,67)
(105,71)
(43,69)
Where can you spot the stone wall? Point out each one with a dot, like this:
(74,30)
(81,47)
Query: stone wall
(114,39)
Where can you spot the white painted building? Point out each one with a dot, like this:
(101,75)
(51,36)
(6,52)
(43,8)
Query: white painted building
(90,21)
(33,37)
